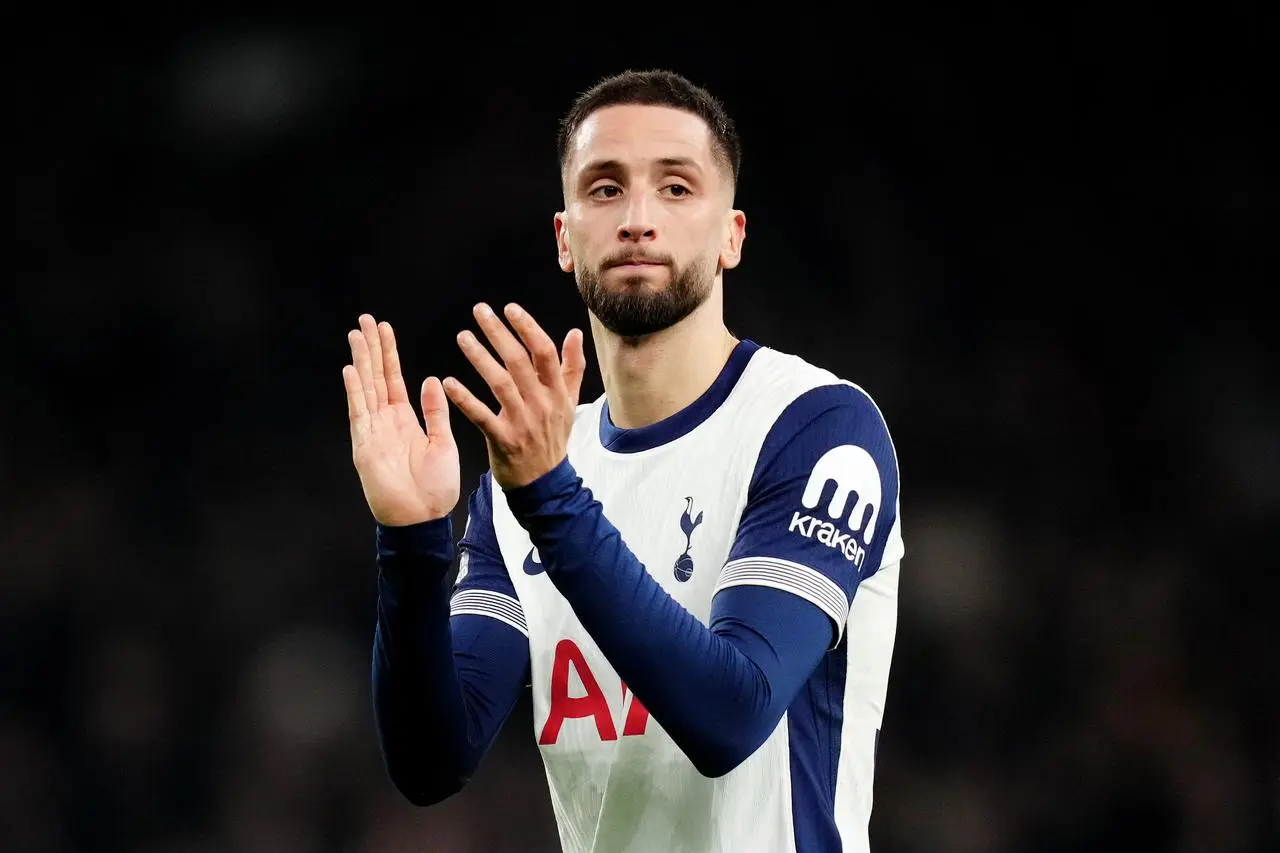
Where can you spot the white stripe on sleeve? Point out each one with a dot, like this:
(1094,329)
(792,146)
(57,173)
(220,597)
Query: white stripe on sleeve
(495,605)
(795,578)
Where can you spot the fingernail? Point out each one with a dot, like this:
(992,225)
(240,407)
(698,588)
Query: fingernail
(514,310)
(484,310)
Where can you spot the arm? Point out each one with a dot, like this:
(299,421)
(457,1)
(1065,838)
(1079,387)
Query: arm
(784,594)
(441,686)
(444,684)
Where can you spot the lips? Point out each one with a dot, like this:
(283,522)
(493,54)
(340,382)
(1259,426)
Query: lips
(636,262)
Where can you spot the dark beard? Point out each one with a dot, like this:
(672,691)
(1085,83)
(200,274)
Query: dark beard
(632,310)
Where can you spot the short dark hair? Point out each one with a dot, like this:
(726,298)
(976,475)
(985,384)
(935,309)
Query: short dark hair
(656,88)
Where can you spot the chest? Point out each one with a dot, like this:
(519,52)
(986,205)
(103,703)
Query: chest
(677,510)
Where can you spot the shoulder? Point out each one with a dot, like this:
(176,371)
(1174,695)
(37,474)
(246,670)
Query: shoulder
(828,459)
(800,393)
(822,428)
(824,489)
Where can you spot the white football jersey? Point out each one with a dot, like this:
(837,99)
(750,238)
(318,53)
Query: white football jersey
(689,499)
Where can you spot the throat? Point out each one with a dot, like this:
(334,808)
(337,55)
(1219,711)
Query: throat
(652,381)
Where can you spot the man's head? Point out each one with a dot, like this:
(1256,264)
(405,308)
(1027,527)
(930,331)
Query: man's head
(649,164)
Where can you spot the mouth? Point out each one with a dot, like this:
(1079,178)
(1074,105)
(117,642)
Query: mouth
(634,264)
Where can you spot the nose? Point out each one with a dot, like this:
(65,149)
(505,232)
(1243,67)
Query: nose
(637,225)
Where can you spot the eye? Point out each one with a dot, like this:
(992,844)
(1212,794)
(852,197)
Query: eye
(606,191)
(678,190)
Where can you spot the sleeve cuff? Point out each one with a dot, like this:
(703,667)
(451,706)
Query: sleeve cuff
(795,578)
(560,482)
(428,540)
(487,602)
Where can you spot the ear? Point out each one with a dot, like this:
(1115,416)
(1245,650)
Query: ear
(735,233)
(563,251)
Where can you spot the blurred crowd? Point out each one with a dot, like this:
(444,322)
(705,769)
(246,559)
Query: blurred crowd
(1044,278)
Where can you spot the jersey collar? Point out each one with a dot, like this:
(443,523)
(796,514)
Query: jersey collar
(684,421)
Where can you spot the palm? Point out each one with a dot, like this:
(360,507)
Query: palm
(408,474)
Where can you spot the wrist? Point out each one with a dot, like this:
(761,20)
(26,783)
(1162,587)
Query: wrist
(560,482)
(432,538)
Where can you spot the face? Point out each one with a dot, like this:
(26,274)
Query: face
(648,221)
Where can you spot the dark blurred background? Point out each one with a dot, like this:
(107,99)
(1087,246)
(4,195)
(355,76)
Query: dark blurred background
(1037,242)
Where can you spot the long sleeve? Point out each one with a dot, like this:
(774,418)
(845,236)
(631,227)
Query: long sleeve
(447,667)
(783,597)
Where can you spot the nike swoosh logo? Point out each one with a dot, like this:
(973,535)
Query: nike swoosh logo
(532,566)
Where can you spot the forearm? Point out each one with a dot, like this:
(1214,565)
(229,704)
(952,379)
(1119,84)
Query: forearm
(441,687)
(718,691)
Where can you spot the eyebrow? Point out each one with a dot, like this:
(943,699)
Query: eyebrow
(597,166)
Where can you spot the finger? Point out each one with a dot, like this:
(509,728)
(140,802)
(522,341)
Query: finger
(546,361)
(509,349)
(573,363)
(373,336)
(435,410)
(494,374)
(364,368)
(396,390)
(474,409)
(356,408)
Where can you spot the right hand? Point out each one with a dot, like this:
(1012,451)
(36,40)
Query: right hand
(409,475)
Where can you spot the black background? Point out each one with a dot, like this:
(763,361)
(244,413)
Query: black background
(1036,241)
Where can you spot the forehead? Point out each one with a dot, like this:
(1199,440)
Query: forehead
(633,133)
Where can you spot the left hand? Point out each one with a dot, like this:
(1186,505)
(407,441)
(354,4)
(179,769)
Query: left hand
(537,390)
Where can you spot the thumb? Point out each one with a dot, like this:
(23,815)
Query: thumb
(573,363)
(435,409)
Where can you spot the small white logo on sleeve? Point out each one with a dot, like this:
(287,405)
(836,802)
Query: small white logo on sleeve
(464,565)
(854,472)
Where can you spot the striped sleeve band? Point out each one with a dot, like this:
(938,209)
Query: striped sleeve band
(495,605)
(797,579)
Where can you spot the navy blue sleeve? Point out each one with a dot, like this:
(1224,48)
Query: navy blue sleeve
(442,686)
(822,508)
(718,690)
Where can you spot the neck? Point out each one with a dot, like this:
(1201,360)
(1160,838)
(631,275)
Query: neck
(650,378)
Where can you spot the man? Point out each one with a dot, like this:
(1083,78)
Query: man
(672,567)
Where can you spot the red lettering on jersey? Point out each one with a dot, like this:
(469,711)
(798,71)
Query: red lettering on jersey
(566,707)
(637,715)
